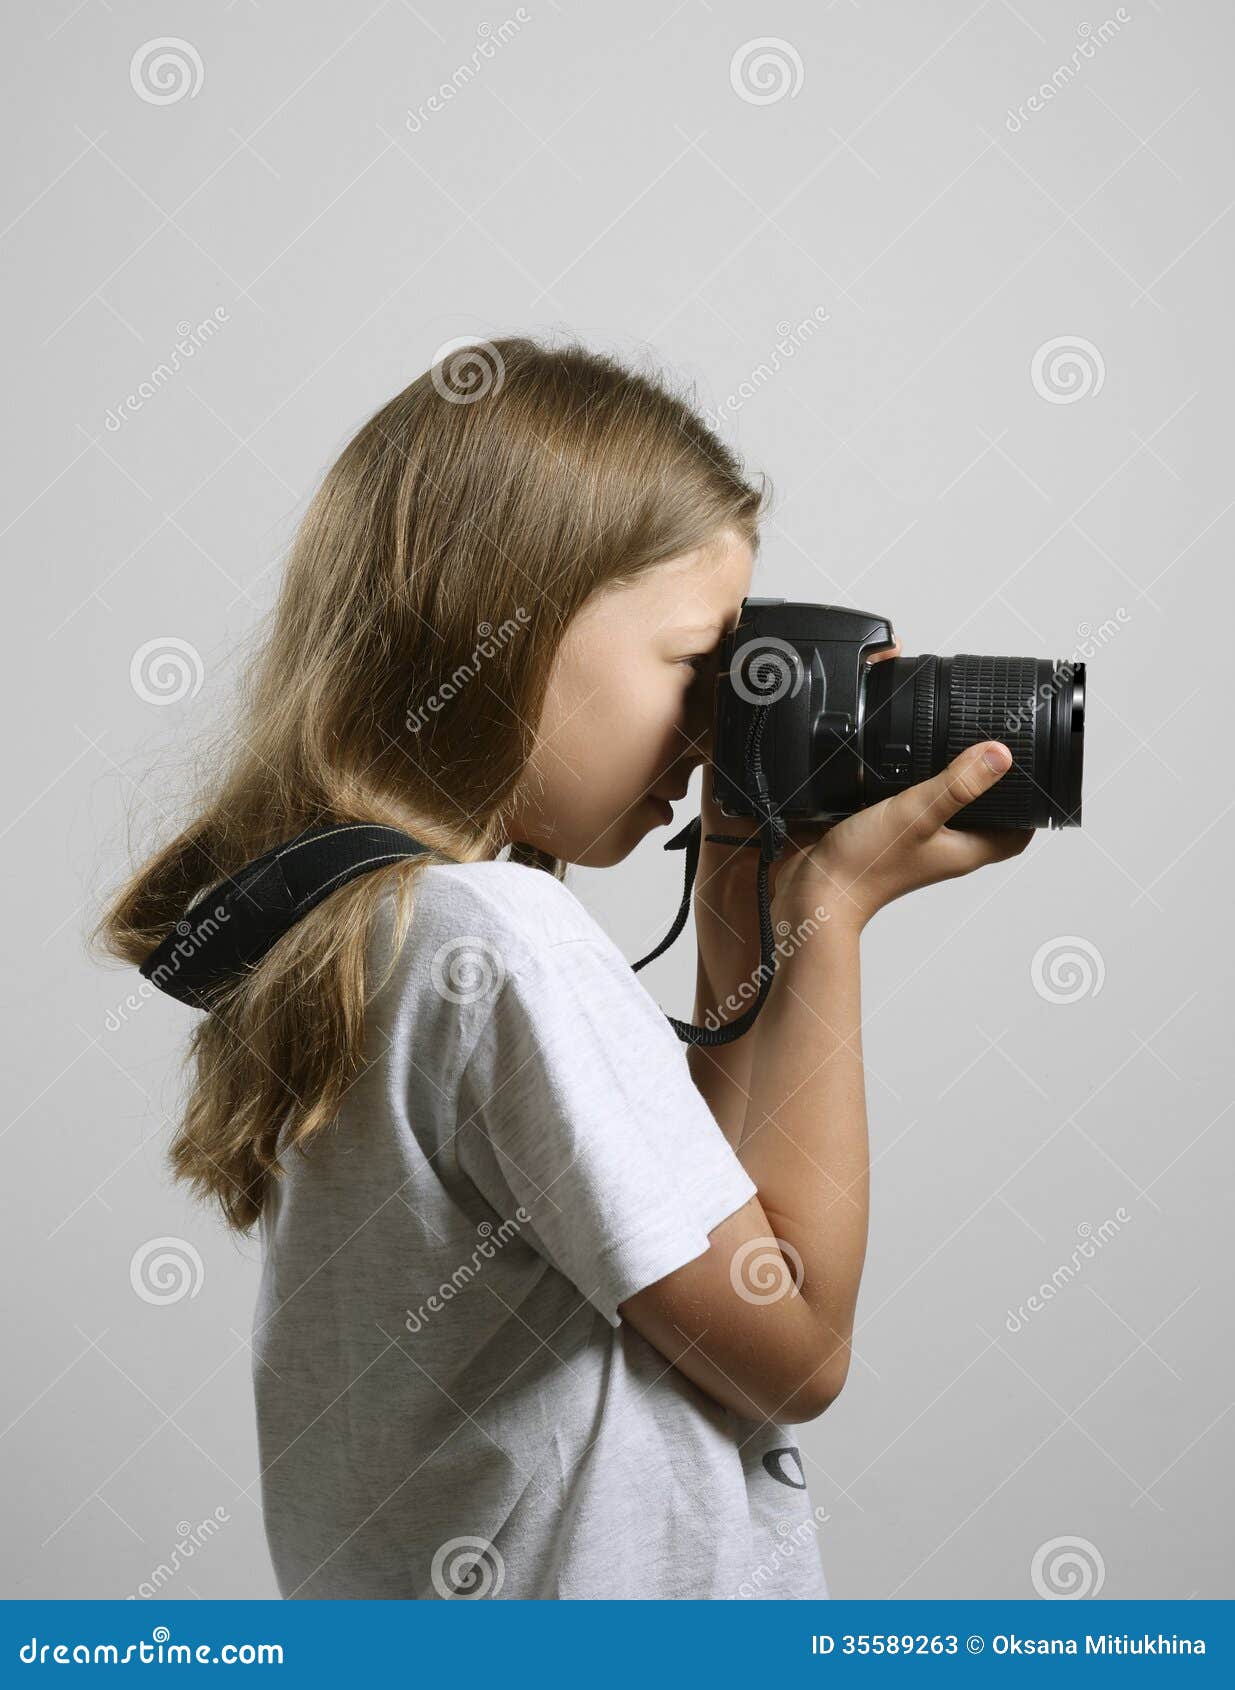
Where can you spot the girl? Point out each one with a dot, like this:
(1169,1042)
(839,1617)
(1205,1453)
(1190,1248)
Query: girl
(542,1293)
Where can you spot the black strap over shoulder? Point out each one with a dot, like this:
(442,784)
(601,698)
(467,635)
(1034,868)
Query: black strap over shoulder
(230,928)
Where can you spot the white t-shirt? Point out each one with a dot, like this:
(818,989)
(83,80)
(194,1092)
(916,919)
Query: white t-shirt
(448,1401)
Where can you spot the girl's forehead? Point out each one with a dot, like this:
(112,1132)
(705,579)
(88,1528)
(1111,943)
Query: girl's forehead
(697,594)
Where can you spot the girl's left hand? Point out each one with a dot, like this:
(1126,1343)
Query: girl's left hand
(725,902)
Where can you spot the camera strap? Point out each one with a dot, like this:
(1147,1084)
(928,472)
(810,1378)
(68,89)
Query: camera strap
(770,842)
(229,929)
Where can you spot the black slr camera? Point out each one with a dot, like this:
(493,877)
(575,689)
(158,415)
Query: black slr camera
(806,725)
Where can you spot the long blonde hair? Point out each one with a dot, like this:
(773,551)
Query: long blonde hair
(423,600)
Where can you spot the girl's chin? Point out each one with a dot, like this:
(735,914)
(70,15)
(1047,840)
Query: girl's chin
(621,837)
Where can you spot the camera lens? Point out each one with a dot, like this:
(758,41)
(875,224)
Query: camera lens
(921,712)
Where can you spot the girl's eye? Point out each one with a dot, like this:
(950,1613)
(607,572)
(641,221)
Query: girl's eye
(699,661)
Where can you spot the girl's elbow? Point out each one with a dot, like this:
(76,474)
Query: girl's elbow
(817,1394)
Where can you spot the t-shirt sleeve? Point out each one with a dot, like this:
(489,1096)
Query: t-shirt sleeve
(577,1105)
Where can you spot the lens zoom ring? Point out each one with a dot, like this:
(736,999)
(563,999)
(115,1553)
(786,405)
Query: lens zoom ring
(923,737)
(993,698)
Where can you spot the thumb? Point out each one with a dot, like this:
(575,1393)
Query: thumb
(965,778)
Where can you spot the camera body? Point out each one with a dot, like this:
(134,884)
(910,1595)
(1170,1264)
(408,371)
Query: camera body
(840,733)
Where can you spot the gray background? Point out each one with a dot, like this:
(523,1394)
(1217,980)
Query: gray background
(601,175)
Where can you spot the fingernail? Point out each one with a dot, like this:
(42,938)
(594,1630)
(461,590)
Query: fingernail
(996,757)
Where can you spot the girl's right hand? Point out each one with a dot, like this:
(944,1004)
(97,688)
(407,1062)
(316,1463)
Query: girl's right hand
(866,860)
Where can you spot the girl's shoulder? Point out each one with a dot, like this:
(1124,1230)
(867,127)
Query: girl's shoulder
(490,933)
(516,909)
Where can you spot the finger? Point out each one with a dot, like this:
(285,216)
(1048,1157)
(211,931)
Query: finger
(1008,840)
(933,802)
(892,651)
(988,845)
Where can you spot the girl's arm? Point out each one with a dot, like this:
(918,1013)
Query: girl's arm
(763,1319)
(722,1072)
(794,1254)
(805,1141)
(789,1095)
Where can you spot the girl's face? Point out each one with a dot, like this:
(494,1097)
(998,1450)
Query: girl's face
(628,712)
